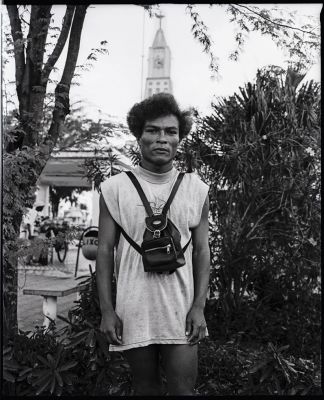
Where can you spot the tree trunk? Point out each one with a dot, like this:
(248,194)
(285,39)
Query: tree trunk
(10,284)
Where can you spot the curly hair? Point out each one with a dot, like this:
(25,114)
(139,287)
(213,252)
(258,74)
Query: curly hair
(158,105)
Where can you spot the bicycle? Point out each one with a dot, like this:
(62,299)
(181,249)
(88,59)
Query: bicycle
(57,243)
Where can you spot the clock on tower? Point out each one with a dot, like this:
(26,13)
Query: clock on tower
(158,61)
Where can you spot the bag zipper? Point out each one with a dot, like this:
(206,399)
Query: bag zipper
(168,247)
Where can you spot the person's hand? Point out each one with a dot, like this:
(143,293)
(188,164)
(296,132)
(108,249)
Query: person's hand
(111,325)
(195,325)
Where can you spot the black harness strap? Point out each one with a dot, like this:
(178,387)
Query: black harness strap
(173,193)
(141,193)
(185,248)
(137,247)
(148,207)
(130,240)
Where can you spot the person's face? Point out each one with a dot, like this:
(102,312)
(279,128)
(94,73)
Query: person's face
(159,141)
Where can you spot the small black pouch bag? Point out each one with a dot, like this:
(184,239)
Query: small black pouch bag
(161,247)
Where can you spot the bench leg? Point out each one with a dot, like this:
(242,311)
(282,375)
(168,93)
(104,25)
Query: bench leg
(49,309)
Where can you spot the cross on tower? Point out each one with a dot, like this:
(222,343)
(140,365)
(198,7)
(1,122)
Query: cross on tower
(160,16)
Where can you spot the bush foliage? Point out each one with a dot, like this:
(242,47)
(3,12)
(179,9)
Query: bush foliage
(260,152)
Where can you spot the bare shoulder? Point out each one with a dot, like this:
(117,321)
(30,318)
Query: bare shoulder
(114,181)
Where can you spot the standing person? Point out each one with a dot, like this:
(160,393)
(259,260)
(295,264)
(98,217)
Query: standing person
(157,315)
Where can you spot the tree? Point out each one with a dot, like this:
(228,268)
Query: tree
(260,152)
(27,149)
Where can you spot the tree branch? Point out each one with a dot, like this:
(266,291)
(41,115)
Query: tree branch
(74,45)
(19,47)
(269,20)
(36,38)
(62,106)
(39,23)
(200,33)
(66,24)
(33,94)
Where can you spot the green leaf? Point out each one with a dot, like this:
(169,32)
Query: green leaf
(7,376)
(52,385)
(74,343)
(65,320)
(306,390)
(44,386)
(59,391)
(11,365)
(101,376)
(68,366)
(58,356)
(258,366)
(66,378)
(25,371)
(59,378)
(43,378)
(292,391)
(266,373)
(283,348)
(44,361)
(40,372)
(51,360)
(89,324)
(6,350)
(103,344)
(90,338)
(83,334)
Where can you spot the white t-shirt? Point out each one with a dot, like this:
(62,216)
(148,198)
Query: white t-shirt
(153,307)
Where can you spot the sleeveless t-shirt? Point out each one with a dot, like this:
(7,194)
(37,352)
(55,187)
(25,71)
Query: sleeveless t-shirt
(152,307)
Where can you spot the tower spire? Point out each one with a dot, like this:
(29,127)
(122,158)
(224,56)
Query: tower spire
(160,16)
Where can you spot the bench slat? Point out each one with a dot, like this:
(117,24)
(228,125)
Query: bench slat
(53,292)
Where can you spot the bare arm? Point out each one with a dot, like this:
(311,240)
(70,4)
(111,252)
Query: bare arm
(110,323)
(196,324)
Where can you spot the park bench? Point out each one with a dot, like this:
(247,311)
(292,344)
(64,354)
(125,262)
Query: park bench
(50,298)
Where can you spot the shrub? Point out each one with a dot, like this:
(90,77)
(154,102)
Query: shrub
(37,363)
(232,369)
(259,151)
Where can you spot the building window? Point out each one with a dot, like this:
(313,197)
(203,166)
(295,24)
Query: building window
(165,89)
(150,92)
(157,82)
(150,83)
(165,82)
(157,90)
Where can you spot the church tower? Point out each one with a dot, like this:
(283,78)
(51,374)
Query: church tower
(159,65)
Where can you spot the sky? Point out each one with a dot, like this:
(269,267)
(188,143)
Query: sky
(113,84)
